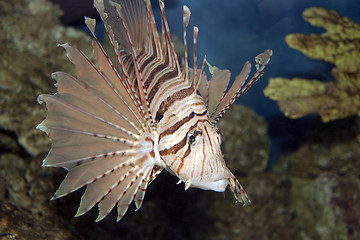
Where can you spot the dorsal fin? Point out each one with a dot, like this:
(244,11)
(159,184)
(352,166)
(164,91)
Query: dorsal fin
(186,19)
(195,78)
(167,40)
(128,20)
(217,100)
(153,29)
(237,88)
(230,96)
(131,31)
(109,70)
(217,87)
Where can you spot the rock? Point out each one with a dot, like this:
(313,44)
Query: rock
(268,217)
(17,223)
(27,185)
(283,207)
(327,207)
(29,55)
(329,147)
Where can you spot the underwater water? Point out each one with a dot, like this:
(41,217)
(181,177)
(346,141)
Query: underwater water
(302,175)
(232,32)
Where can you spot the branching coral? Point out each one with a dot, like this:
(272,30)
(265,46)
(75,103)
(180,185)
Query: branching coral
(339,45)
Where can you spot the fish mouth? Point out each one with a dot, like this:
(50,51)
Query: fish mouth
(215,185)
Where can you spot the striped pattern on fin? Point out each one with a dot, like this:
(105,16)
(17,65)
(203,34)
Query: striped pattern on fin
(186,19)
(127,24)
(213,91)
(99,133)
(131,31)
(168,44)
(145,65)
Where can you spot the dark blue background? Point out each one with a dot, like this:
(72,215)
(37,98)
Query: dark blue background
(231,32)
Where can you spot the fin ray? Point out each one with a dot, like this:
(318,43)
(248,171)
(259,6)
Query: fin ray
(71,149)
(237,89)
(117,191)
(128,21)
(90,172)
(109,70)
(217,87)
(140,194)
(128,196)
(97,190)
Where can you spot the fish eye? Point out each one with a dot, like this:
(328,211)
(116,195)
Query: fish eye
(192,139)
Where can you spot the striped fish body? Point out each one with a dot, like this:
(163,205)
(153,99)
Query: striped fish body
(116,128)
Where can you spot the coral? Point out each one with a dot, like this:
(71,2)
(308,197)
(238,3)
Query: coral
(339,45)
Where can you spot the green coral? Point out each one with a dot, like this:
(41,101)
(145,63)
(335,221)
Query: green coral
(338,45)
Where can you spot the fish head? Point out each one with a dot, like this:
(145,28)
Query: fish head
(200,163)
(196,157)
(210,171)
(214,174)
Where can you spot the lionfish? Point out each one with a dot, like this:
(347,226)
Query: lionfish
(115,127)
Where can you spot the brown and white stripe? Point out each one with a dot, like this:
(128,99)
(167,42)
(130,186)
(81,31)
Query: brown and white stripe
(116,129)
